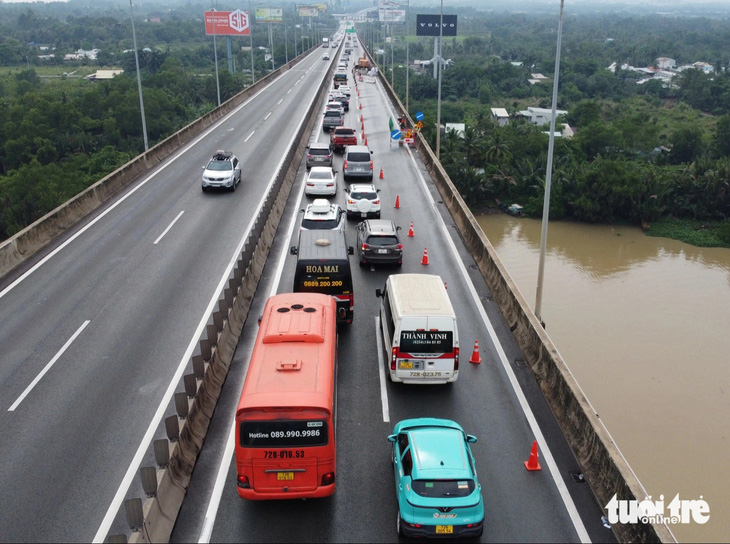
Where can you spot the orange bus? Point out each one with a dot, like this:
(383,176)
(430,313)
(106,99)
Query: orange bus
(285,421)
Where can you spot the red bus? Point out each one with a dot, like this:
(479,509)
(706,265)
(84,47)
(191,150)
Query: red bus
(285,421)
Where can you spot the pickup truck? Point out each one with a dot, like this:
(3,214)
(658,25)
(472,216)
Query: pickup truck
(340,137)
(332,119)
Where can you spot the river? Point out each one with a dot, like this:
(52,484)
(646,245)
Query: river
(644,325)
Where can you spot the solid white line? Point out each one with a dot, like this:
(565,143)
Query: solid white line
(381,372)
(165,402)
(267,116)
(220,481)
(168,227)
(249,136)
(534,426)
(48,366)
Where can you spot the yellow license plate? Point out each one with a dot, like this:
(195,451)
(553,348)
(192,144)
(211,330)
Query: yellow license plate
(284,475)
(444,529)
(406,365)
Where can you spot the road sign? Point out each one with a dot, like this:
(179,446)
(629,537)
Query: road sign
(395,135)
(419,116)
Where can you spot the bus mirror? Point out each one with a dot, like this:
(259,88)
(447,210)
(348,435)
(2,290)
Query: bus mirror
(293,250)
(471,438)
(378,293)
(350,250)
(392,437)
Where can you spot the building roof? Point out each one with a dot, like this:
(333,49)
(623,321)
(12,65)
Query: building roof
(500,112)
(104,74)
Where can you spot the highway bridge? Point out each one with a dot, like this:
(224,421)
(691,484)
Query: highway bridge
(102,326)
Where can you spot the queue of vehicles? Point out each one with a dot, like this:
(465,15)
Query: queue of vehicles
(285,422)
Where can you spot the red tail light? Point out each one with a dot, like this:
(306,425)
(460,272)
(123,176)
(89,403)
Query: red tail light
(393,358)
(371,165)
(352,301)
(345,165)
(328,478)
(243,482)
(365,246)
(456,358)
(376,202)
(399,246)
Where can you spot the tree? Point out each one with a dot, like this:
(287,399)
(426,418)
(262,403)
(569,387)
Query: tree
(686,145)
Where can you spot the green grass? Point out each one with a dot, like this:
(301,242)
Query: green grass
(695,233)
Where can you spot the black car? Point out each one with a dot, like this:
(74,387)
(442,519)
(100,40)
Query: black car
(378,242)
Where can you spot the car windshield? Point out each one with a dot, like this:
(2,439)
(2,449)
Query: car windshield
(443,488)
(382,240)
(220,165)
(314,224)
(363,195)
(324,175)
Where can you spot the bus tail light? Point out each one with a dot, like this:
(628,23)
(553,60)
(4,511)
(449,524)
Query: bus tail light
(456,358)
(243,482)
(393,359)
(328,478)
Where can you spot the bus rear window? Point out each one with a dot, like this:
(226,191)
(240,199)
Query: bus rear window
(289,433)
(427,341)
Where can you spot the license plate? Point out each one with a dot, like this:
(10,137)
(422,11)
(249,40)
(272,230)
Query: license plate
(383,251)
(284,476)
(406,365)
(444,529)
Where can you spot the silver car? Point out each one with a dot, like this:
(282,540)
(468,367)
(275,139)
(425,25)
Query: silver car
(319,154)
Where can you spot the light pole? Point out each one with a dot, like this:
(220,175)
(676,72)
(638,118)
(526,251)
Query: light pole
(250,35)
(408,35)
(215,57)
(286,45)
(139,80)
(441,69)
(549,172)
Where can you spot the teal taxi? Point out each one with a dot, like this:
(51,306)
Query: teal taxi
(436,480)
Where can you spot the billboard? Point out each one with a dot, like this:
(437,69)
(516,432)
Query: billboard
(308,11)
(269,15)
(231,23)
(428,25)
(392,15)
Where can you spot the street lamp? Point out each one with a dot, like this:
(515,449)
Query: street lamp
(549,172)
(440,69)
(250,35)
(408,35)
(215,57)
(139,80)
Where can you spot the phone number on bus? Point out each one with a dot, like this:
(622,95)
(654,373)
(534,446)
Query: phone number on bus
(295,434)
(322,283)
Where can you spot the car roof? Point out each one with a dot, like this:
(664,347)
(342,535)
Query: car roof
(321,206)
(438,447)
(321,169)
(358,148)
(319,145)
(362,186)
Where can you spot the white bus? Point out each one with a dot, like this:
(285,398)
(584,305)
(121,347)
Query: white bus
(418,329)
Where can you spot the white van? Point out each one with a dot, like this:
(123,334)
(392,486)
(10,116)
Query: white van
(418,328)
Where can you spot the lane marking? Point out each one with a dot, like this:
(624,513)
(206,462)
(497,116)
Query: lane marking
(168,227)
(220,481)
(167,397)
(249,136)
(381,372)
(267,116)
(532,421)
(280,101)
(290,90)
(48,366)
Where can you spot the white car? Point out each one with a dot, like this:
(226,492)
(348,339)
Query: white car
(345,89)
(321,180)
(326,56)
(363,201)
(223,171)
(322,215)
(335,105)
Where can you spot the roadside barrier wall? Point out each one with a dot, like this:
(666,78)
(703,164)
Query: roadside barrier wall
(604,467)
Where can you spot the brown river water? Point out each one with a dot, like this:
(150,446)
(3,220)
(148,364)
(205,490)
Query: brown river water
(644,325)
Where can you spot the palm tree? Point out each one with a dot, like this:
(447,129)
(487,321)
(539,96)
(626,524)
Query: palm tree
(497,149)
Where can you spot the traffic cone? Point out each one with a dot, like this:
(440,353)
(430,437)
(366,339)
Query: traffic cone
(381,172)
(360,105)
(362,125)
(531,463)
(424,260)
(366,141)
(362,137)
(410,231)
(361,118)
(475,354)
(397,202)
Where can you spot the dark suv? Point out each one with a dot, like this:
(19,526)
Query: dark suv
(378,242)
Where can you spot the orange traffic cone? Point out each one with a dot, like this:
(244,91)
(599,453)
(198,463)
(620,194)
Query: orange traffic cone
(397,202)
(424,260)
(362,125)
(361,118)
(366,141)
(381,172)
(531,463)
(410,231)
(362,136)
(360,105)
(475,354)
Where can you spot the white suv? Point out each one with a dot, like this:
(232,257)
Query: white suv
(320,214)
(223,171)
(363,201)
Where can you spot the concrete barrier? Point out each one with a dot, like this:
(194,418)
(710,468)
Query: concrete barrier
(604,467)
